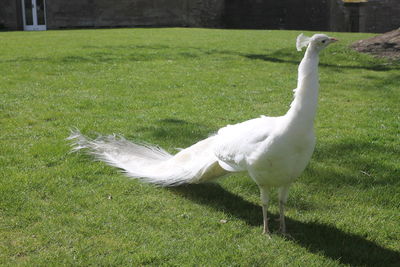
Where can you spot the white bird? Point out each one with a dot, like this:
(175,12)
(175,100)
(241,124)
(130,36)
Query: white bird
(273,150)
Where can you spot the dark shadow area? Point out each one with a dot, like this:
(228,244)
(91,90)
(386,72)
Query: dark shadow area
(118,53)
(369,171)
(390,82)
(124,47)
(213,195)
(292,15)
(183,133)
(269,58)
(336,244)
(368,168)
(284,56)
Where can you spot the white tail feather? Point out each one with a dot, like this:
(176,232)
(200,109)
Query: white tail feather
(151,163)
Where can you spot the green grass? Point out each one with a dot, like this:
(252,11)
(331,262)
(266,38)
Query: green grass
(173,87)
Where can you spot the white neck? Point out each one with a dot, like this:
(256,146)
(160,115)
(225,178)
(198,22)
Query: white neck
(304,106)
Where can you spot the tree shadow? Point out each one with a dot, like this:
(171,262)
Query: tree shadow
(116,54)
(184,132)
(120,53)
(125,47)
(318,238)
(371,171)
(390,82)
(286,56)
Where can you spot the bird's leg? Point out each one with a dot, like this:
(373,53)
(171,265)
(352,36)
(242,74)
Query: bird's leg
(283,195)
(282,224)
(264,204)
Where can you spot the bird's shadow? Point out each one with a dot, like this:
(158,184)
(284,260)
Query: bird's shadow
(347,248)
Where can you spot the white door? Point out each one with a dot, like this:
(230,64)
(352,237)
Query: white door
(34,15)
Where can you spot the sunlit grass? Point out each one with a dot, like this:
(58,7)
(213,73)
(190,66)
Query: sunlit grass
(173,87)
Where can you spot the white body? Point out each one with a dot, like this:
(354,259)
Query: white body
(273,150)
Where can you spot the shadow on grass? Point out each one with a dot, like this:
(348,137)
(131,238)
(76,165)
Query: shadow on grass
(181,132)
(391,82)
(350,154)
(118,53)
(336,244)
(286,56)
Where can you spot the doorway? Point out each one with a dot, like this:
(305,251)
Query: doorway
(34,15)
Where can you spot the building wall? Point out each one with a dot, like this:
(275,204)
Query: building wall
(10,18)
(323,15)
(374,16)
(277,14)
(382,15)
(123,13)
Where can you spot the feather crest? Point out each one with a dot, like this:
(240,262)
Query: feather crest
(302,41)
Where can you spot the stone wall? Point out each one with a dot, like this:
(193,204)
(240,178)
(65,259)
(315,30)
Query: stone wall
(323,15)
(279,14)
(382,15)
(101,13)
(374,16)
(318,15)
(10,18)
(128,13)
(205,13)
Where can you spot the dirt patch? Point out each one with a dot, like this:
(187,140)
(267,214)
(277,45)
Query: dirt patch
(385,45)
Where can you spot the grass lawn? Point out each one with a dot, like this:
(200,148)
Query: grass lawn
(173,87)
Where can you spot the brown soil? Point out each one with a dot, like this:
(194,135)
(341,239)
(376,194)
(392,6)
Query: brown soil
(385,45)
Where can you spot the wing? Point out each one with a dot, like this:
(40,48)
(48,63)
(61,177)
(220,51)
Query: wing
(236,142)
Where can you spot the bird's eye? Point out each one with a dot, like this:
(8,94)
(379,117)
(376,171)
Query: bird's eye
(323,41)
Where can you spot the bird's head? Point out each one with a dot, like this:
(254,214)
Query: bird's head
(317,41)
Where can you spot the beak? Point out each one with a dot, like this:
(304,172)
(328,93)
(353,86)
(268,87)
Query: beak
(333,40)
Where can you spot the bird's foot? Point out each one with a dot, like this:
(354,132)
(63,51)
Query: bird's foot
(266,232)
(282,228)
(285,234)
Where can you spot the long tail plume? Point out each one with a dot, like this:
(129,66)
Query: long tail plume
(146,162)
